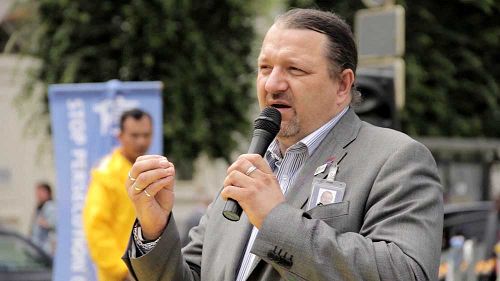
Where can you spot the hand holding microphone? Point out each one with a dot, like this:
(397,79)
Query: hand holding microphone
(250,183)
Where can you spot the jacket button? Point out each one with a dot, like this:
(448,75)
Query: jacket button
(271,255)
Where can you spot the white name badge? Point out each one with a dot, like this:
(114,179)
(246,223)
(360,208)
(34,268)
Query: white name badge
(325,191)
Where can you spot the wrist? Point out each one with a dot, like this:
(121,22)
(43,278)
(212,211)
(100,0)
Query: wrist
(151,235)
(152,231)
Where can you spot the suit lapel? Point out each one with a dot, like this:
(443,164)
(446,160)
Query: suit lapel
(334,145)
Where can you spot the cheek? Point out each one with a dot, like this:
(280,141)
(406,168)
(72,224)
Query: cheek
(310,107)
(129,142)
(261,92)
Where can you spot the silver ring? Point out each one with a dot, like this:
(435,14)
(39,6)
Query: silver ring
(137,188)
(130,177)
(250,170)
(147,194)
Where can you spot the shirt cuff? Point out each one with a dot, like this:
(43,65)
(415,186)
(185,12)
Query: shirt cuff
(143,246)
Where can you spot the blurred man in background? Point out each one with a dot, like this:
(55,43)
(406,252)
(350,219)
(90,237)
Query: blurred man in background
(108,213)
(43,230)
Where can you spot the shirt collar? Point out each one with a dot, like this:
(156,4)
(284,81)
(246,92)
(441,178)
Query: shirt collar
(310,142)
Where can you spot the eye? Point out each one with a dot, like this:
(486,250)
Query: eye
(296,71)
(264,68)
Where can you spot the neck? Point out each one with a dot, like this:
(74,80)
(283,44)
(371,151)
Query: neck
(130,158)
(284,144)
(40,204)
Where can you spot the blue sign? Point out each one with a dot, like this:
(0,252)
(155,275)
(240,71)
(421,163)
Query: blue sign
(84,120)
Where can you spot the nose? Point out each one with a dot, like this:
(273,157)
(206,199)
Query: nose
(276,81)
(143,141)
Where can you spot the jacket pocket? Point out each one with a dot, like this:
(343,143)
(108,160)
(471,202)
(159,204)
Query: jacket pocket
(335,215)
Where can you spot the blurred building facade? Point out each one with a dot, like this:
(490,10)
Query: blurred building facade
(26,153)
(26,156)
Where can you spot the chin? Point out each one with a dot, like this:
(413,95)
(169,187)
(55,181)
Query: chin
(288,133)
(289,129)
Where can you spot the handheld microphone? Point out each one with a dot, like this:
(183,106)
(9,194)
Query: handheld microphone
(266,127)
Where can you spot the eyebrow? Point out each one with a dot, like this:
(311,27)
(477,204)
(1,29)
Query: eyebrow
(293,60)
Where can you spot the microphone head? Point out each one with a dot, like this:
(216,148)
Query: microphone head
(269,120)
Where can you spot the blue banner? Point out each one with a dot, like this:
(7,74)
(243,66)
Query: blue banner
(84,120)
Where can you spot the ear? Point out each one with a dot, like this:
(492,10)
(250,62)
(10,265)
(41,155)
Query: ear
(346,81)
(119,135)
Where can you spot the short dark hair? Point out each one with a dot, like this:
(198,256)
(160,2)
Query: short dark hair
(46,186)
(342,52)
(134,113)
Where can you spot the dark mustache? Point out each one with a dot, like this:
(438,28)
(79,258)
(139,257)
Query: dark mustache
(281,96)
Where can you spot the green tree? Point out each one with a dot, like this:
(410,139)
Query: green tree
(452,85)
(199,49)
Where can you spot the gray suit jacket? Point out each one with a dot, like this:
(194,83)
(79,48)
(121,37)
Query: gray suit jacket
(388,226)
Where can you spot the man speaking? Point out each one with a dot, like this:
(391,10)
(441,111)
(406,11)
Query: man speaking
(385,222)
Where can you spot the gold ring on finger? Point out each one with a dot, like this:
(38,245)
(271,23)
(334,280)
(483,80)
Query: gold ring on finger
(137,188)
(147,194)
(130,177)
(250,170)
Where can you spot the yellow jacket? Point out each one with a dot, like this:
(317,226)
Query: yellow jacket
(108,216)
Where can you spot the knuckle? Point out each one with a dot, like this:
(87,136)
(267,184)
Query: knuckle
(165,181)
(224,193)
(161,173)
(242,164)
(143,178)
(231,167)
(136,165)
(157,162)
(227,181)
(241,161)
(234,174)
(140,178)
(253,157)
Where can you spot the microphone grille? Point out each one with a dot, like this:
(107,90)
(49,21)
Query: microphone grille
(269,120)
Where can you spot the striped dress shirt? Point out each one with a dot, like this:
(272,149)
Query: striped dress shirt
(286,167)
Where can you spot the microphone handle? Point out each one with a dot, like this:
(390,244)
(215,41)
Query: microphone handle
(260,141)
(232,210)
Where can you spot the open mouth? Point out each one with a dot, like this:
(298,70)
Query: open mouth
(278,105)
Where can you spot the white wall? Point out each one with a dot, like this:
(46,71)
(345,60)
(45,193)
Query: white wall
(25,157)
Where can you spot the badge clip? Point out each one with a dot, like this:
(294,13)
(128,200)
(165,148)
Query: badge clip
(332,173)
